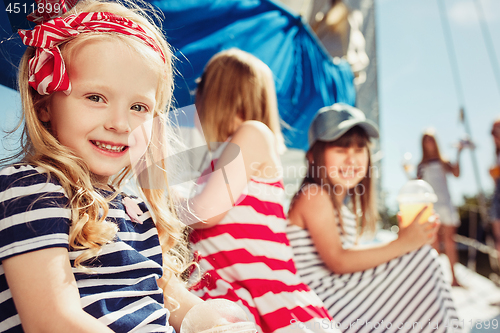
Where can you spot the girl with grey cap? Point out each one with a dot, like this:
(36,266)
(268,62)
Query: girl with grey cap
(395,287)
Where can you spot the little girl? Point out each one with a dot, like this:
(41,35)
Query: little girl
(395,287)
(76,254)
(241,243)
(433,169)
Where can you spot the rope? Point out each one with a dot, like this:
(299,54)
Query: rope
(460,95)
(477,245)
(489,42)
(451,52)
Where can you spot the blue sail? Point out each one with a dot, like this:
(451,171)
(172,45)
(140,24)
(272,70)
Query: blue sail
(306,77)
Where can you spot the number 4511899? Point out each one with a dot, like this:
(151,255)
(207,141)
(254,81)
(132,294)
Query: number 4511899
(24,8)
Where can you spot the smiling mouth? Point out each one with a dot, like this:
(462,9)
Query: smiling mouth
(350,173)
(108,147)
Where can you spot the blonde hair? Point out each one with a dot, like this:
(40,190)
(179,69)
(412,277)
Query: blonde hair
(317,174)
(236,83)
(89,229)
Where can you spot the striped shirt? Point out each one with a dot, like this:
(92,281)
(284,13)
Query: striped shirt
(248,259)
(405,294)
(122,293)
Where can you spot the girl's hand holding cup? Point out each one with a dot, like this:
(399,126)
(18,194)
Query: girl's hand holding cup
(419,233)
(417,221)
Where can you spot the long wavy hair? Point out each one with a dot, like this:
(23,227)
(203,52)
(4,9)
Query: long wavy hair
(426,156)
(89,229)
(236,83)
(362,195)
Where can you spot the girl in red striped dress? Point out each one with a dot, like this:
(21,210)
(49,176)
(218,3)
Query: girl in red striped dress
(241,241)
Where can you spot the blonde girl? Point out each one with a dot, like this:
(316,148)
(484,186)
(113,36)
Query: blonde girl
(240,236)
(384,286)
(78,255)
(434,169)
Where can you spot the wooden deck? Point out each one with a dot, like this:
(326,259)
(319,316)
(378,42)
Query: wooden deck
(476,301)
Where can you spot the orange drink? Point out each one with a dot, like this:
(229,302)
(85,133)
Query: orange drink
(412,198)
(410,210)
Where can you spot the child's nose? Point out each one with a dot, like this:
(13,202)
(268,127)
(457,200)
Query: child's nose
(350,157)
(118,120)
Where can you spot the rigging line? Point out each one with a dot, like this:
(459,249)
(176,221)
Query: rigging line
(489,42)
(458,87)
(451,52)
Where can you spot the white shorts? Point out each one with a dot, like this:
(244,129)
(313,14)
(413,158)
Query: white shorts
(447,214)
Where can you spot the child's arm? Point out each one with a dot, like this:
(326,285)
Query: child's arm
(257,145)
(454,168)
(45,293)
(313,210)
(173,289)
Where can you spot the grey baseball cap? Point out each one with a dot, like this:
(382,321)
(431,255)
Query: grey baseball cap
(331,122)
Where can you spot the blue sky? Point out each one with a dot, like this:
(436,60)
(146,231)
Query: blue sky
(416,88)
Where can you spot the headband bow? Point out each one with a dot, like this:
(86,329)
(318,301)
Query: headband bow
(47,72)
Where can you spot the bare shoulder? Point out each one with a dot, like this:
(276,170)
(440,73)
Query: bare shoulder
(311,207)
(256,141)
(314,192)
(310,198)
(254,130)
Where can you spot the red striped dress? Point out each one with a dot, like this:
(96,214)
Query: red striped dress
(247,259)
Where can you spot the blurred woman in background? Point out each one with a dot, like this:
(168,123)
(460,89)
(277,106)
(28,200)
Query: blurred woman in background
(433,169)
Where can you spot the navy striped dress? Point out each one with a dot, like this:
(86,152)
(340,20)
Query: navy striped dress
(123,292)
(406,294)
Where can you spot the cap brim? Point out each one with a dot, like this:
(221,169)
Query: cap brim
(335,133)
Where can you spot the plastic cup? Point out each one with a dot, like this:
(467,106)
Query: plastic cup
(217,316)
(412,198)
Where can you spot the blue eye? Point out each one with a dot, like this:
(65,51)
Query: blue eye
(139,108)
(95,98)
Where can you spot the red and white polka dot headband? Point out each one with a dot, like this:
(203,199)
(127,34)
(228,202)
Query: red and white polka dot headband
(47,72)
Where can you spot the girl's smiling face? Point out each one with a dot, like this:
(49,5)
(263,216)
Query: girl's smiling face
(113,93)
(346,166)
